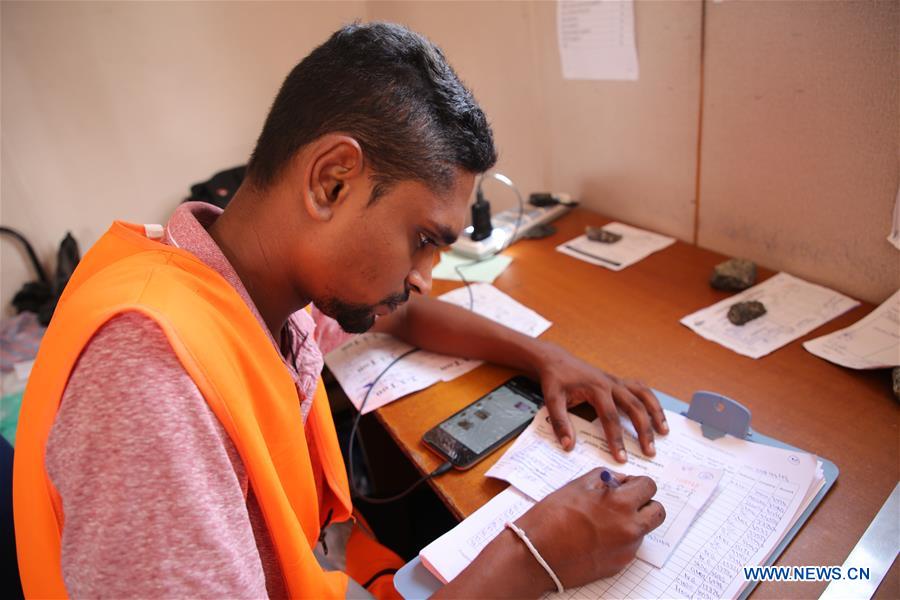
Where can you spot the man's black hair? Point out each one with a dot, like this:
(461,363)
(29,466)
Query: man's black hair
(390,89)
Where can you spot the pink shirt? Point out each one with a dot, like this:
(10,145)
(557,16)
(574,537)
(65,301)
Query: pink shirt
(155,496)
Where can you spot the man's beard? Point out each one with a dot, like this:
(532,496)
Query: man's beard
(357,318)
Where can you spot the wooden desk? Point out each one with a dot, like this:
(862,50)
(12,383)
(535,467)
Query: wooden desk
(628,323)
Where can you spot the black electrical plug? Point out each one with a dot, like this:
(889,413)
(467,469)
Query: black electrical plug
(481,218)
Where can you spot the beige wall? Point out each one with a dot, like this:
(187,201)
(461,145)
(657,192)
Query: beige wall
(800,139)
(623,148)
(110,110)
(799,163)
(628,149)
(491,46)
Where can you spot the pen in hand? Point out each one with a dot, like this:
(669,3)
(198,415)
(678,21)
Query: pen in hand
(609,479)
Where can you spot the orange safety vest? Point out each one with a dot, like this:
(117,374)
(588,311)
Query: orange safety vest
(239,372)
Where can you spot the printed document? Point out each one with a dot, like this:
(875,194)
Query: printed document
(537,465)
(490,302)
(596,39)
(762,492)
(636,244)
(358,362)
(794,307)
(871,343)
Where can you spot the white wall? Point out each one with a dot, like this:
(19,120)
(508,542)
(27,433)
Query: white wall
(490,45)
(111,110)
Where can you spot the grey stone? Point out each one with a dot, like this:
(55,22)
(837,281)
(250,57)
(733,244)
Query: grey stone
(539,232)
(896,375)
(744,312)
(598,234)
(733,275)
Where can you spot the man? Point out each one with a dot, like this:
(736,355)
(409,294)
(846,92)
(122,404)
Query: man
(175,439)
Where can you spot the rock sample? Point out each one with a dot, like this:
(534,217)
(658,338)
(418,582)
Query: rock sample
(744,312)
(598,234)
(733,275)
(539,232)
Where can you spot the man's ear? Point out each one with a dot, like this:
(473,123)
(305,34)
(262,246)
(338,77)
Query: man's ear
(334,165)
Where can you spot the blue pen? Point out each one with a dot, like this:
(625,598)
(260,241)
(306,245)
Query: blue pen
(609,479)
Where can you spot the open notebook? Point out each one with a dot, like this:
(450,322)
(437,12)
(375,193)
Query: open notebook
(762,491)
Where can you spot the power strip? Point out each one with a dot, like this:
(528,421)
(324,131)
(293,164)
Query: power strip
(504,225)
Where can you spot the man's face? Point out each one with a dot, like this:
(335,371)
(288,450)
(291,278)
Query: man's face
(381,253)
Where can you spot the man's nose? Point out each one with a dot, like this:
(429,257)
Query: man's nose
(419,278)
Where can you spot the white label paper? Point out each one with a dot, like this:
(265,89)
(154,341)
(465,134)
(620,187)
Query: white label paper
(596,39)
(793,308)
(871,343)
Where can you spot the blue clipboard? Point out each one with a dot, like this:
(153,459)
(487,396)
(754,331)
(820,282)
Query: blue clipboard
(717,416)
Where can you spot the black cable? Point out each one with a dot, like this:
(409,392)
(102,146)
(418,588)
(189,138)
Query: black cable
(380,573)
(446,466)
(353,432)
(458,268)
(39,269)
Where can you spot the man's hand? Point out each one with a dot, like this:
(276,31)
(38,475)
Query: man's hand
(567,381)
(585,530)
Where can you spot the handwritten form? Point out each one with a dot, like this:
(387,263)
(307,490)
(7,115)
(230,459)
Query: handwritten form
(871,343)
(447,556)
(636,244)
(794,308)
(762,492)
(537,465)
(596,39)
(358,363)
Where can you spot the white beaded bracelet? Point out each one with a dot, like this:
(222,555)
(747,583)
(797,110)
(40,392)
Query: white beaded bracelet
(537,555)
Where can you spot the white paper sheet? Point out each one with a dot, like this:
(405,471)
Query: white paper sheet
(794,307)
(894,235)
(871,343)
(495,305)
(636,244)
(596,39)
(448,555)
(762,493)
(537,465)
(358,362)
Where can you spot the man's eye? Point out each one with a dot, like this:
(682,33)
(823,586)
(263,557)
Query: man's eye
(424,241)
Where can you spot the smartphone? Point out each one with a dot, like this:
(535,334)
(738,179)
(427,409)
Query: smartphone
(483,426)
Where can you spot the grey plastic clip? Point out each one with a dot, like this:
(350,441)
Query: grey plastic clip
(718,415)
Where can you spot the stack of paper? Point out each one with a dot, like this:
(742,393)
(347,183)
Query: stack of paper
(763,490)
(358,363)
(536,465)
(793,308)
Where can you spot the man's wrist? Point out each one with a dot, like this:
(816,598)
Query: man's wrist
(504,569)
(538,355)
(530,576)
